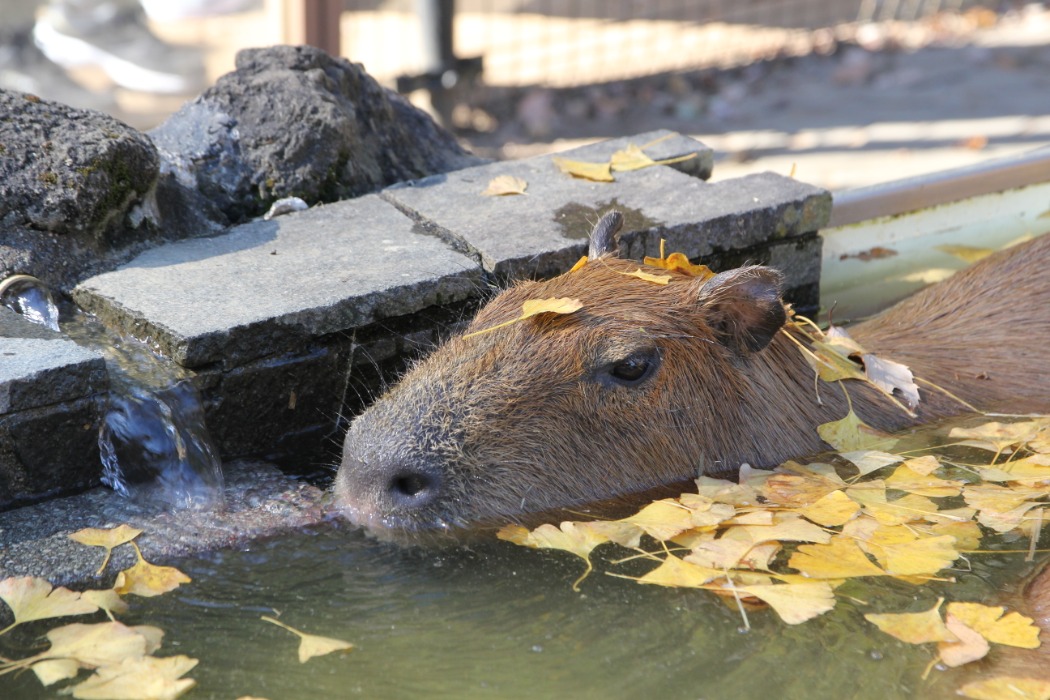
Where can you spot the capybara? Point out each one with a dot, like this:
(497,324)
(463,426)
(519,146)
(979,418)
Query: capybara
(651,384)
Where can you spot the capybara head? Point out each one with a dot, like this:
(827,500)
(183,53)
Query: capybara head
(640,387)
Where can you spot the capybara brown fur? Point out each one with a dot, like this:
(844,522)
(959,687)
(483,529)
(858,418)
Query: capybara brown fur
(651,384)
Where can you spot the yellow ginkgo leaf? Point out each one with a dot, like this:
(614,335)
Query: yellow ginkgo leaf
(800,486)
(851,433)
(51,671)
(831,510)
(107,600)
(597,172)
(648,276)
(996,437)
(967,533)
(1027,470)
(839,558)
(580,541)
(921,556)
(579,263)
(145,678)
(677,573)
(311,645)
(679,262)
(663,519)
(106,538)
(503,185)
(33,598)
(534,307)
(914,628)
(970,646)
(634,158)
(794,602)
(1007,688)
(831,365)
(907,509)
(1012,629)
(925,465)
(148,580)
(728,492)
(786,527)
(719,554)
(904,478)
(91,646)
(868,461)
(966,253)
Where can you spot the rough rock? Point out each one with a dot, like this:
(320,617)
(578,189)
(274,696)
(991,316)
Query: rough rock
(72,186)
(294,121)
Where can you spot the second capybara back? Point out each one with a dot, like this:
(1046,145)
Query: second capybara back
(651,384)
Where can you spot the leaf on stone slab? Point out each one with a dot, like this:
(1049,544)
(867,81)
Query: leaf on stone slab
(970,646)
(311,645)
(1007,688)
(503,185)
(145,678)
(794,602)
(851,433)
(634,158)
(1011,629)
(33,598)
(914,628)
(108,538)
(148,580)
(596,172)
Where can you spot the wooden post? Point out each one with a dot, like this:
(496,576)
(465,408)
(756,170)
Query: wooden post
(313,22)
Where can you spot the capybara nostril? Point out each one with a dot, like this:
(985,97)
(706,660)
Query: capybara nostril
(413,489)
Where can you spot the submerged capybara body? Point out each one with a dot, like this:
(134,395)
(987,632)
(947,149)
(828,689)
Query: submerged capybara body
(651,384)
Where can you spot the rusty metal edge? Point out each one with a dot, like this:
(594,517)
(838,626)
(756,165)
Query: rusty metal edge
(934,189)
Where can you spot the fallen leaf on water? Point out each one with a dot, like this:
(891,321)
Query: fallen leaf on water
(91,646)
(580,541)
(311,645)
(794,602)
(839,558)
(33,598)
(1007,688)
(914,628)
(996,437)
(503,185)
(597,172)
(832,510)
(868,461)
(534,307)
(1012,629)
(107,600)
(146,678)
(677,573)
(851,433)
(970,646)
(921,555)
(904,478)
(648,276)
(52,671)
(798,485)
(148,580)
(662,519)
(106,538)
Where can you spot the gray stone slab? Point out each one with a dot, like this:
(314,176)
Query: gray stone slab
(267,287)
(544,231)
(39,367)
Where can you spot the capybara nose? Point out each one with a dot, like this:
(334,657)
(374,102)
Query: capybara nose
(413,488)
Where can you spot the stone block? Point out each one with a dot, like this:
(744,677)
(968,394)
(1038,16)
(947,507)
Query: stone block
(267,288)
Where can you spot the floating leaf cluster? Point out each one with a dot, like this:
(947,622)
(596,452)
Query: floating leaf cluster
(789,538)
(120,657)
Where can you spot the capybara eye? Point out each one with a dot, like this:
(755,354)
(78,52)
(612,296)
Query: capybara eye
(634,369)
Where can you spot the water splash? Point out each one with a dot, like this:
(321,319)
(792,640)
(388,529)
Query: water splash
(153,439)
(28,296)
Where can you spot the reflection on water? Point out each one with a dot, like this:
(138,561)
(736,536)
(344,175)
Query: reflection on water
(29,296)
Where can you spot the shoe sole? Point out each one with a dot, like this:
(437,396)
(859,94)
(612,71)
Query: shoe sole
(71,52)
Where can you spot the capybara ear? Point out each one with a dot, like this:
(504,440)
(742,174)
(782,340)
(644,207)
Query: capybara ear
(743,307)
(603,237)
